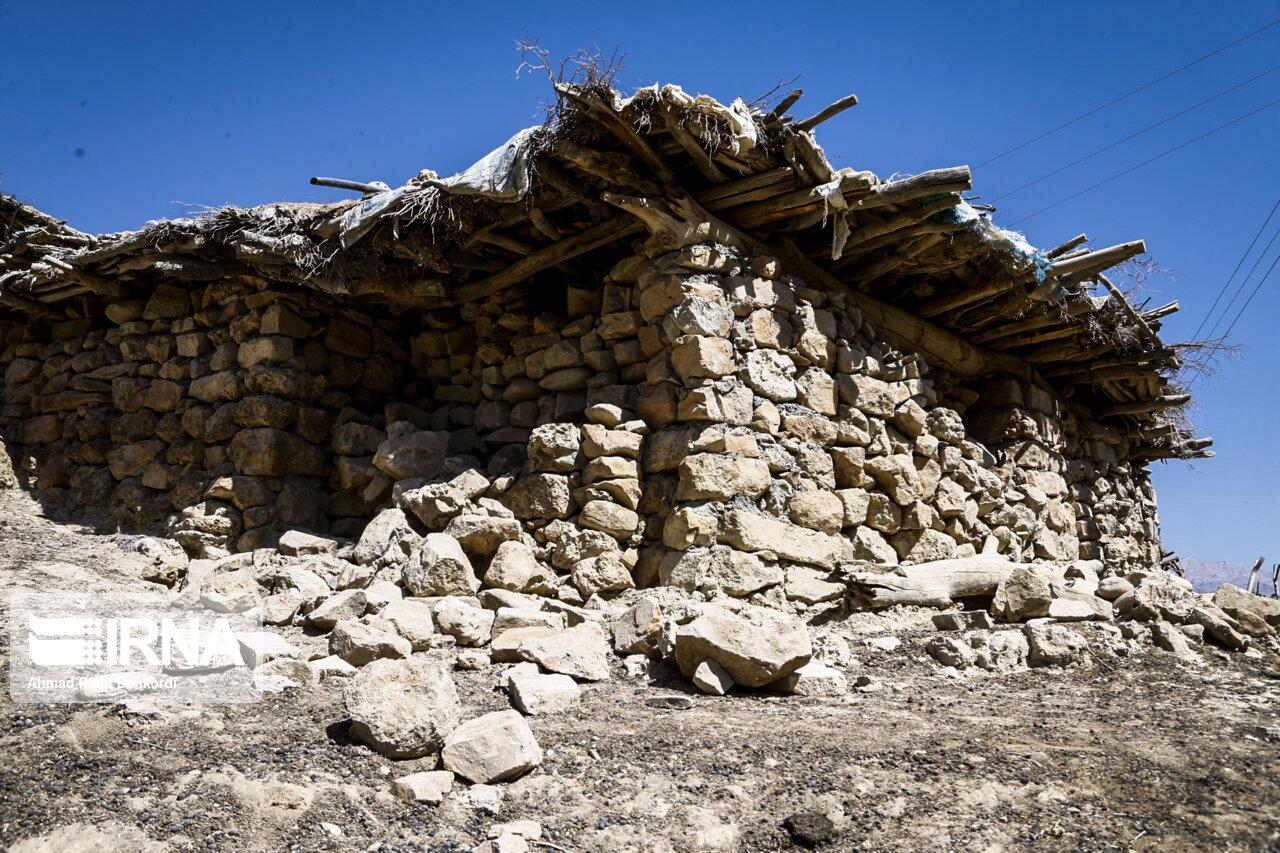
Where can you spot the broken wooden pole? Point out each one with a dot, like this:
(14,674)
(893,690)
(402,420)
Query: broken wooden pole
(1253,575)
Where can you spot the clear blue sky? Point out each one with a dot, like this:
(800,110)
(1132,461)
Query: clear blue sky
(114,114)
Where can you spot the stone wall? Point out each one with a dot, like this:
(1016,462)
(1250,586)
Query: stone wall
(700,421)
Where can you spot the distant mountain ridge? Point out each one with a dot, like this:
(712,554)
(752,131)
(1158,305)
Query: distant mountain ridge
(1207,577)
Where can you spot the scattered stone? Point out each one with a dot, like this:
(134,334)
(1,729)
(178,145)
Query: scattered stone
(492,748)
(544,694)
(470,626)
(299,543)
(581,651)
(1053,645)
(756,646)
(810,829)
(430,786)
(1169,638)
(332,667)
(410,619)
(347,605)
(710,677)
(637,630)
(474,660)
(670,702)
(438,566)
(815,679)
(965,620)
(358,643)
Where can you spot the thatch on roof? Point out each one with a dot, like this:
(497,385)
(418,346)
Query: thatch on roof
(911,253)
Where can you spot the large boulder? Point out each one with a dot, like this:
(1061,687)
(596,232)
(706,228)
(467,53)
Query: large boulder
(1158,596)
(403,708)
(756,646)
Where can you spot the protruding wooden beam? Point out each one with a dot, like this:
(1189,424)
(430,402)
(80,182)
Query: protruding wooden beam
(1063,248)
(1141,407)
(570,247)
(954,179)
(1095,262)
(830,112)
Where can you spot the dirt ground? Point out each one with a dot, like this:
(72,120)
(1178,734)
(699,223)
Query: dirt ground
(1142,752)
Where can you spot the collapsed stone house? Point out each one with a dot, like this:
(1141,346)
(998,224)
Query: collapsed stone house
(661,340)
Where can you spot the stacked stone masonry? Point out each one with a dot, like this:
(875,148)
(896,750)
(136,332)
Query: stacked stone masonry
(700,420)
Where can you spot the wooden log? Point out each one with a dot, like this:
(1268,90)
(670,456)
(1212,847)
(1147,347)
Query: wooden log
(954,179)
(814,160)
(604,114)
(1063,248)
(701,158)
(827,113)
(786,103)
(1128,311)
(584,241)
(1081,266)
(1162,311)
(682,222)
(863,234)
(608,165)
(947,349)
(749,189)
(797,202)
(1057,351)
(1141,407)
(936,584)
(1095,262)
(873,269)
(1153,359)
(910,231)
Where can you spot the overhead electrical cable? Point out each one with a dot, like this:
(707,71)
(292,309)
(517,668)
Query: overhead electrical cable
(1148,161)
(1244,283)
(1251,295)
(1239,264)
(1129,94)
(1271,70)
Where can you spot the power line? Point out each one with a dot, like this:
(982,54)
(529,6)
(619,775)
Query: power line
(1239,264)
(1245,283)
(1251,295)
(1271,70)
(1151,160)
(1129,94)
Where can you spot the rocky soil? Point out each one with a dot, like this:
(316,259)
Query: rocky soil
(1137,751)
